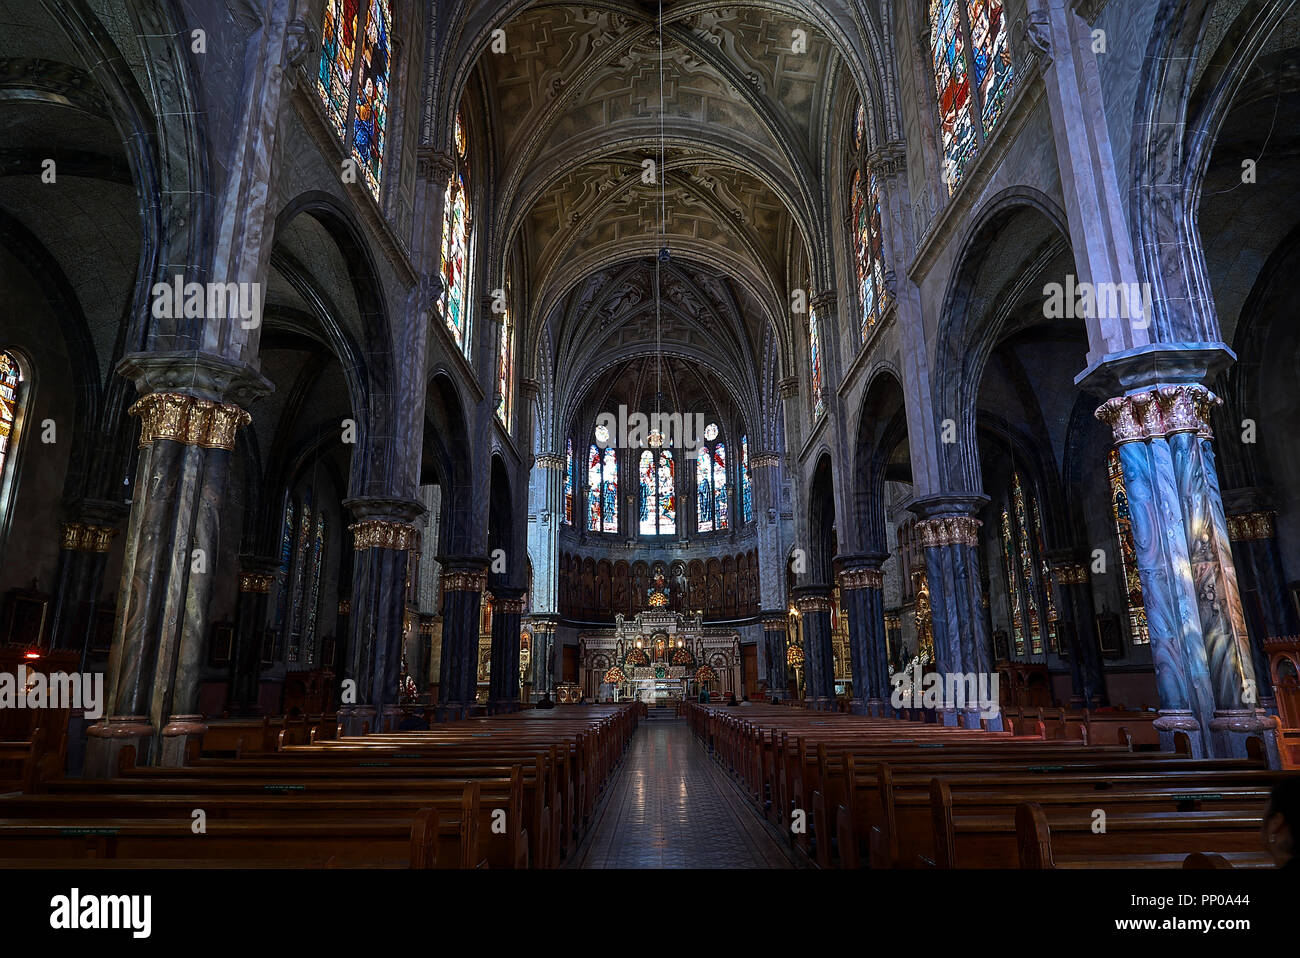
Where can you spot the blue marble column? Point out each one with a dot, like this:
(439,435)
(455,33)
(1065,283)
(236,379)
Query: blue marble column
(503,681)
(861,591)
(250,623)
(543,629)
(814,605)
(949,535)
(1204,671)
(463,582)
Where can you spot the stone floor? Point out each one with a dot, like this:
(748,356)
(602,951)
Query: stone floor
(670,806)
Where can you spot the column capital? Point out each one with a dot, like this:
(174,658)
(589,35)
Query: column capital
(434,165)
(860,578)
(529,388)
(388,508)
(542,624)
(946,504)
(1159,412)
(765,460)
(788,387)
(775,620)
(888,160)
(549,460)
(812,598)
(509,601)
(177,417)
(383,534)
(1068,572)
(1252,525)
(825,300)
(463,573)
(255,582)
(86,537)
(952,530)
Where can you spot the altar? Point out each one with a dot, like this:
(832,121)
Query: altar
(658,657)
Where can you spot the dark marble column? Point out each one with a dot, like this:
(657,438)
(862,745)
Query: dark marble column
(774,648)
(382,539)
(255,580)
(171,550)
(543,629)
(1204,669)
(1259,564)
(83,556)
(949,535)
(814,605)
(463,581)
(861,590)
(1087,676)
(503,681)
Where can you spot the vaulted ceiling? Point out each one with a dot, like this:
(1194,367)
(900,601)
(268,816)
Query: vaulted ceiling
(573,111)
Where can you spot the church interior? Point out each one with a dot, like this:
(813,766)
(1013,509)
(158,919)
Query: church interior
(838,434)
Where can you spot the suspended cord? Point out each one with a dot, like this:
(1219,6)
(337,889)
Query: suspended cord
(663,231)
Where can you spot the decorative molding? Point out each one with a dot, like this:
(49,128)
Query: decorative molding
(85,537)
(888,160)
(383,534)
(824,300)
(765,460)
(788,388)
(949,531)
(1252,525)
(548,460)
(509,606)
(1160,412)
(185,419)
(812,603)
(1070,573)
(257,582)
(861,579)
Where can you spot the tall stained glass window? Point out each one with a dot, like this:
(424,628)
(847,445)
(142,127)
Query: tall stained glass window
(453,303)
(1049,585)
(1033,621)
(505,366)
(602,489)
(313,600)
(11,378)
(815,362)
(868,249)
(746,483)
(286,558)
(1139,633)
(353,79)
(657,474)
(568,482)
(1014,590)
(968,41)
(711,485)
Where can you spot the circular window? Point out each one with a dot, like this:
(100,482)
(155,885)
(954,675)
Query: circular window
(602,434)
(711,431)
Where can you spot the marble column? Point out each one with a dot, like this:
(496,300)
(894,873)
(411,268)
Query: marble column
(83,556)
(774,647)
(544,531)
(949,534)
(1087,676)
(463,581)
(814,605)
(170,552)
(1204,669)
(255,579)
(383,537)
(543,628)
(862,591)
(1259,562)
(503,681)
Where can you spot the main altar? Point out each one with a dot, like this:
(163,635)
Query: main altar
(659,656)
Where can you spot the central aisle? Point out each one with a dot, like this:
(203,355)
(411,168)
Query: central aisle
(671,807)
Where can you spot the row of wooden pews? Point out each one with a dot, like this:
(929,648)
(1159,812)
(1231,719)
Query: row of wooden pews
(885,793)
(508,791)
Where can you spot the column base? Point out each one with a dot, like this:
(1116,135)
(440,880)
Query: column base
(1245,733)
(390,718)
(821,705)
(452,712)
(176,736)
(105,741)
(1173,725)
(357,720)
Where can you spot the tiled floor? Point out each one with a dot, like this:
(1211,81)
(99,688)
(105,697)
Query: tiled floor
(671,807)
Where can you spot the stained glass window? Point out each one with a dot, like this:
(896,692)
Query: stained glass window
(1013,585)
(815,362)
(711,486)
(868,250)
(968,39)
(301,569)
(313,602)
(720,511)
(286,557)
(1032,619)
(1139,632)
(11,378)
(859,126)
(746,483)
(356,62)
(1047,582)
(453,303)
(505,366)
(338,52)
(568,482)
(657,474)
(602,489)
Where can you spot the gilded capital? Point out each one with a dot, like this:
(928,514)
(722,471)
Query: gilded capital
(383,534)
(1159,412)
(185,419)
(949,531)
(1252,525)
(86,537)
(463,580)
(813,603)
(861,579)
(256,582)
